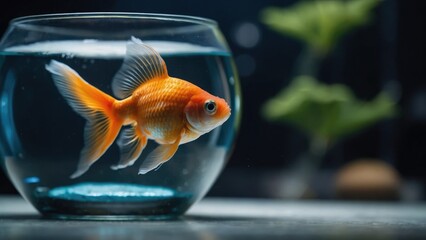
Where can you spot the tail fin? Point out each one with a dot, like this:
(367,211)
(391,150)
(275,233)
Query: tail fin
(102,126)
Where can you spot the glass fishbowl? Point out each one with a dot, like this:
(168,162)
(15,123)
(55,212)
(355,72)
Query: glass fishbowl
(42,135)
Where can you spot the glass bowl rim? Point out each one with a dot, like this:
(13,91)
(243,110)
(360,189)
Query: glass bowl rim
(114,15)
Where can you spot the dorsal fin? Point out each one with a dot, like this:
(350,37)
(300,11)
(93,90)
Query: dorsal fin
(141,64)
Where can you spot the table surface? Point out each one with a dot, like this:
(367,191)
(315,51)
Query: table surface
(219,218)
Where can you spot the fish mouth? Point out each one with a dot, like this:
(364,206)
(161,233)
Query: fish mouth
(227,115)
(224,118)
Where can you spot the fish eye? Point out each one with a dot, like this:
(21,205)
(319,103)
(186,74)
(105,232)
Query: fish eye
(210,107)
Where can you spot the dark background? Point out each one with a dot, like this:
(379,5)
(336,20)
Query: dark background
(388,53)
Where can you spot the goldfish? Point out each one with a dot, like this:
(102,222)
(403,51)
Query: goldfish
(148,104)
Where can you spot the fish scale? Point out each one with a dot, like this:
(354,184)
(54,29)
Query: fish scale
(163,101)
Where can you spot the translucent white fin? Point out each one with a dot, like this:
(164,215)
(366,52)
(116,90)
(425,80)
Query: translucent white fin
(131,142)
(141,64)
(159,156)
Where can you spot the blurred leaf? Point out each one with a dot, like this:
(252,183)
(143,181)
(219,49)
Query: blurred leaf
(326,111)
(320,24)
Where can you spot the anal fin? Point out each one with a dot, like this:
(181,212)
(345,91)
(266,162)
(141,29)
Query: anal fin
(131,142)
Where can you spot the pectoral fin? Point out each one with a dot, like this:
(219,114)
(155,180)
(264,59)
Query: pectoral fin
(159,156)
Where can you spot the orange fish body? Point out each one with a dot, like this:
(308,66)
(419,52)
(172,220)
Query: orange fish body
(158,108)
(154,106)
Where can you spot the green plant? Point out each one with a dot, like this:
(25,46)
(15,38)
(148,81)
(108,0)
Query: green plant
(324,112)
(319,23)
